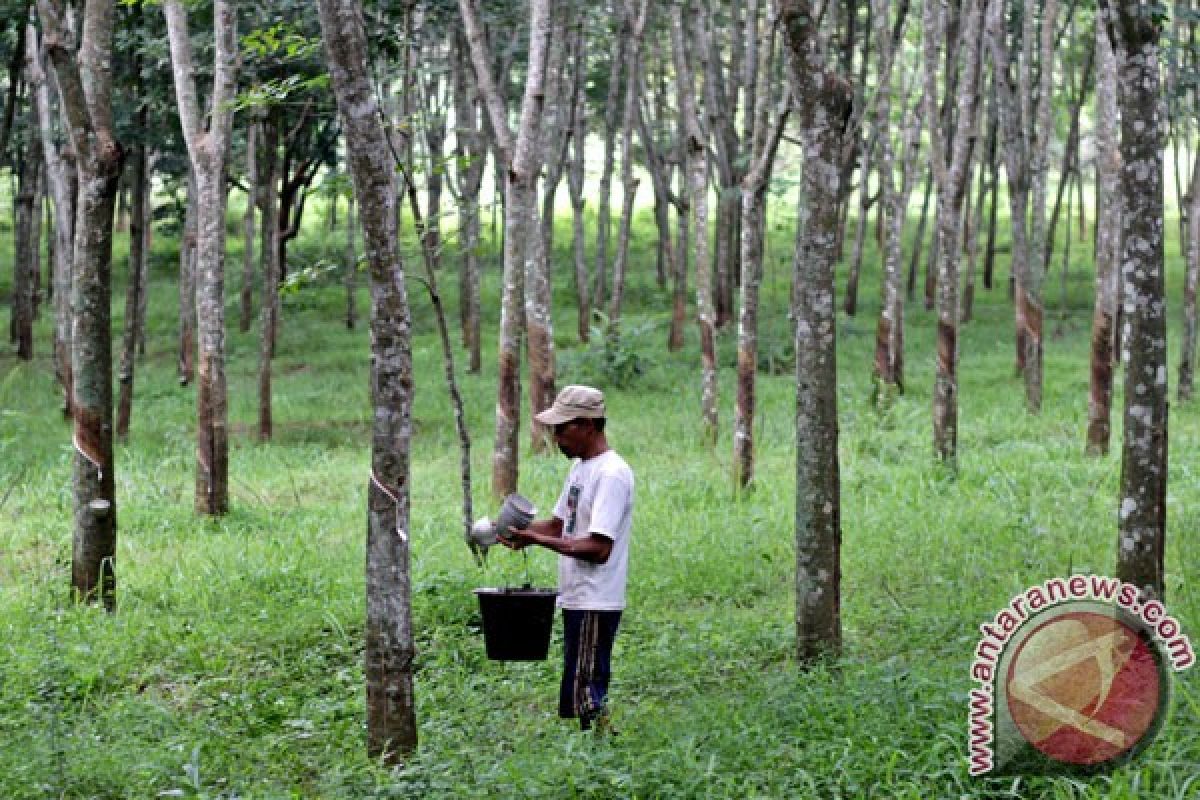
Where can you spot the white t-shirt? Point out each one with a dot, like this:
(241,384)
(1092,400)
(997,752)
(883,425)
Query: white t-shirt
(597,497)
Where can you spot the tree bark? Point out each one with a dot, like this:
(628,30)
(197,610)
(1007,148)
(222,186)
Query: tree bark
(1143,509)
(823,102)
(636,24)
(206,146)
(951,170)
(137,268)
(575,180)
(270,267)
(611,108)
(1187,360)
(471,150)
(390,648)
(351,268)
(85,80)
(519,157)
(63,180)
(764,145)
(25,260)
(187,285)
(248,226)
(696,149)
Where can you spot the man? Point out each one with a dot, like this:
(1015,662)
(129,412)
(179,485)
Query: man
(590,531)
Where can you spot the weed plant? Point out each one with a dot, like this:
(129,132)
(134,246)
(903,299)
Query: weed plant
(233,667)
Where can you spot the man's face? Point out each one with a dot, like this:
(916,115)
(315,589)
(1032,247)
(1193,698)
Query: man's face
(572,437)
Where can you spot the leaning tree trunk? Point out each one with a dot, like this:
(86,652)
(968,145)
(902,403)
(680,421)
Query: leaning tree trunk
(1108,227)
(390,649)
(575,178)
(696,148)
(822,101)
(1143,500)
(63,182)
(206,146)
(85,80)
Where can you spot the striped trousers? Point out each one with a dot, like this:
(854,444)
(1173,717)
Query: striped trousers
(587,663)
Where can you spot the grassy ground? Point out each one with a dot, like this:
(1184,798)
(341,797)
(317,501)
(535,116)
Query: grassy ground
(233,668)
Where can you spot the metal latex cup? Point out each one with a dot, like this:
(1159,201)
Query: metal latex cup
(516,512)
(483,532)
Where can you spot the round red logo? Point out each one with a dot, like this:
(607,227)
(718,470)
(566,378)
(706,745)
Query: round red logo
(1085,688)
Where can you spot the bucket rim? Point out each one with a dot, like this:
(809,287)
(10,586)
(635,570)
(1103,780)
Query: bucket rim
(515,591)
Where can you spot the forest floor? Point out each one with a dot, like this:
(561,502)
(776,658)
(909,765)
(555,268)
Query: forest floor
(233,668)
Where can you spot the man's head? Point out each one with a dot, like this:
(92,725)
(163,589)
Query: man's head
(577,419)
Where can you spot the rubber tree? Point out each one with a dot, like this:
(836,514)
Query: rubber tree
(822,101)
(85,83)
(207,142)
(390,650)
(1142,510)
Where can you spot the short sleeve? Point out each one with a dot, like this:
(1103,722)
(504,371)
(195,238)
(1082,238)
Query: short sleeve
(610,505)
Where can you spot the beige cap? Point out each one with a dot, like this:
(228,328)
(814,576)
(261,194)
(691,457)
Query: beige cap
(573,402)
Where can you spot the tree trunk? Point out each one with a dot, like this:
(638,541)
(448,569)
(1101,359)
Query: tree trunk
(1187,360)
(63,181)
(575,180)
(611,107)
(25,260)
(187,285)
(85,80)
(351,268)
(763,147)
(636,24)
(248,226)
(519,156)
(471,149)
(951,169)
(696,148)
(1108,227)
(269,257)
(390,649)
(206,146)
(823,101)
(1143,509)
(137,267)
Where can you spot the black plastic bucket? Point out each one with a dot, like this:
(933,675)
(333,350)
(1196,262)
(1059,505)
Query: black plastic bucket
(517,622)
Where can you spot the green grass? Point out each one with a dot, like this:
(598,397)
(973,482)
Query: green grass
(233,667)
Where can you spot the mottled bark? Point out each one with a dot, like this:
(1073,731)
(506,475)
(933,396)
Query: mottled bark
(696,154)
(1108,227)
(1142,508)
(248,227)
(390,649)
(206,146)
(823,102)
(85,82)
